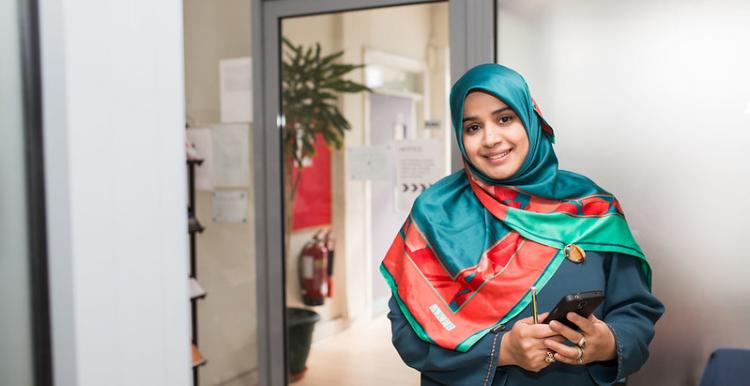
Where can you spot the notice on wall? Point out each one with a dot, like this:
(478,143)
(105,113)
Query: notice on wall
(230,207)
(236,90)
(369,163)
(418,166)
(231,155)
(200,139)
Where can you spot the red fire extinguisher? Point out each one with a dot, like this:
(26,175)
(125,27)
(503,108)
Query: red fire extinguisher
(315,269)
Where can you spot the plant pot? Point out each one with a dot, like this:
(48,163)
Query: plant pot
(300,325)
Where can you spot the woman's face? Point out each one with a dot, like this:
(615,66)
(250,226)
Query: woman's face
(493,135)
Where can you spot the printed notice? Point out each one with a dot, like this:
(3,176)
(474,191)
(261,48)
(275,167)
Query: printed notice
(419,165)
(236,90)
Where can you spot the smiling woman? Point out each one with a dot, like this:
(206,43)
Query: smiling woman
(462,266)
(494,138)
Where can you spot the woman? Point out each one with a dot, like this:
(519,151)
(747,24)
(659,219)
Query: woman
(462,267)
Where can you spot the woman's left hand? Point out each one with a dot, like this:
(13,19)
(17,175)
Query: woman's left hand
(598,343)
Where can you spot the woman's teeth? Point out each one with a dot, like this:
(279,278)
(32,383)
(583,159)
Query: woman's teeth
(498,156)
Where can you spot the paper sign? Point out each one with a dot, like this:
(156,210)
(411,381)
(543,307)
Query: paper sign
(236,90)
(231,155)
(369,163)
(230,207)
(418,167)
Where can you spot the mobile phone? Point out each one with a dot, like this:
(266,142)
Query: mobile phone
(582,303)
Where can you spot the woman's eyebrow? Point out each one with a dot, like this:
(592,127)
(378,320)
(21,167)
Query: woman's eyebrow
(498,111)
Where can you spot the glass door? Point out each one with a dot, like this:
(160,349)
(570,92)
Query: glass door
(365,130)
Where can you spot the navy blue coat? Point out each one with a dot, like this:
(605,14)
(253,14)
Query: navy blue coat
(629,309)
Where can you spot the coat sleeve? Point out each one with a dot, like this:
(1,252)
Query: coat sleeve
(630,310)
(475,367)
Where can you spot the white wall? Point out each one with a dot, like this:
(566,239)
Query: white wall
(227,320)
(651,100)
(113,122)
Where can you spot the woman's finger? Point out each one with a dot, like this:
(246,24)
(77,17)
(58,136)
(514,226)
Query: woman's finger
(585,324)
(566,360)
(565,331)
(558,347)
(540,331)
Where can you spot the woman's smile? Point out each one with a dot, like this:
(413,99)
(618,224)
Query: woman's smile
(499,157)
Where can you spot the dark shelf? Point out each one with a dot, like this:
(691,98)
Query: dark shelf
(196,291)
(194,226)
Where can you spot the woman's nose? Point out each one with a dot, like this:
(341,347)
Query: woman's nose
(491,136)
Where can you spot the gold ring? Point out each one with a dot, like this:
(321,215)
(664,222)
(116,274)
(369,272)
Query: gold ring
(581,342)
(550,358)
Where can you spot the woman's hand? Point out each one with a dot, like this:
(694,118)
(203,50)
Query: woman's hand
(524,345)
(598,342)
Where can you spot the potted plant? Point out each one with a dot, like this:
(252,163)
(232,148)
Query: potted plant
(311,85)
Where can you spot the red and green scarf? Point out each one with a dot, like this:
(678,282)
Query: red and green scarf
(472,247)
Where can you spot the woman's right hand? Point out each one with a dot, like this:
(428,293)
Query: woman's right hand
(523,345)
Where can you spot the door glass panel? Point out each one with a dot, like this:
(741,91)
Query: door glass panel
(350,150)
(651,99)
(16,361)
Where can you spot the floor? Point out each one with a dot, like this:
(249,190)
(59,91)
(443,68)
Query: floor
(359,356)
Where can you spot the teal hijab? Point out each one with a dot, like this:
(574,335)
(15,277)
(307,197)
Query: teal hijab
(460,228)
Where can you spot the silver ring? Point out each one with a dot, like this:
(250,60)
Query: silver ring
(580,354)
(581,342)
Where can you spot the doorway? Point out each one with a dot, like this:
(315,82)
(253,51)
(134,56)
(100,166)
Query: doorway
(382,72)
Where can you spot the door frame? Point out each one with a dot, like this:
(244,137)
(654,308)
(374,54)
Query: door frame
(472,41)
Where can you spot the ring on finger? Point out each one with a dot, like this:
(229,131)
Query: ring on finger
(550,358)
(580,354)
(581,342)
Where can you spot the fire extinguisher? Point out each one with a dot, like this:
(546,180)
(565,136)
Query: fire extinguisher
(315,269)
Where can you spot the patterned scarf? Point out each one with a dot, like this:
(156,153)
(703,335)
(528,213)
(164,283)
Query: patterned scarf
(472,247)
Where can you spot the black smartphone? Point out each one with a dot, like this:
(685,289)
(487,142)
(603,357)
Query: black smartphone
(582,303)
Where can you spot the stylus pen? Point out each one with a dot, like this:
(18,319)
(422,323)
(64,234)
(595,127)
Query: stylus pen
(533,302)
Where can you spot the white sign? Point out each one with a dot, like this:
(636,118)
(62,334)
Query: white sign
(236,90)
(369,163)
(230,206)
(231,155)
(418,167)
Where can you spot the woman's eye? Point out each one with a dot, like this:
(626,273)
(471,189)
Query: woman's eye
(471,129)
(505,119)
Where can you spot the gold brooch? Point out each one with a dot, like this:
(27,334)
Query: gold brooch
(575,253)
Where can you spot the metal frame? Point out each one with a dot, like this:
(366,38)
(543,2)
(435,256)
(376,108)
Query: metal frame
(472,30)
(35,192)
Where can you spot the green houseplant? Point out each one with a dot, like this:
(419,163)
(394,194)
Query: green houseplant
(311,85)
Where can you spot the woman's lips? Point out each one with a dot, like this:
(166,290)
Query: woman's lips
(497,158)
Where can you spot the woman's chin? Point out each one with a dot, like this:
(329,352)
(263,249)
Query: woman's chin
(498,173)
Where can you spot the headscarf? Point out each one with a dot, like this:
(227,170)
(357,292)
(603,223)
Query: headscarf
(472,246)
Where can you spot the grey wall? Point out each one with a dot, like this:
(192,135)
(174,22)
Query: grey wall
(16,362)
(652,101)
